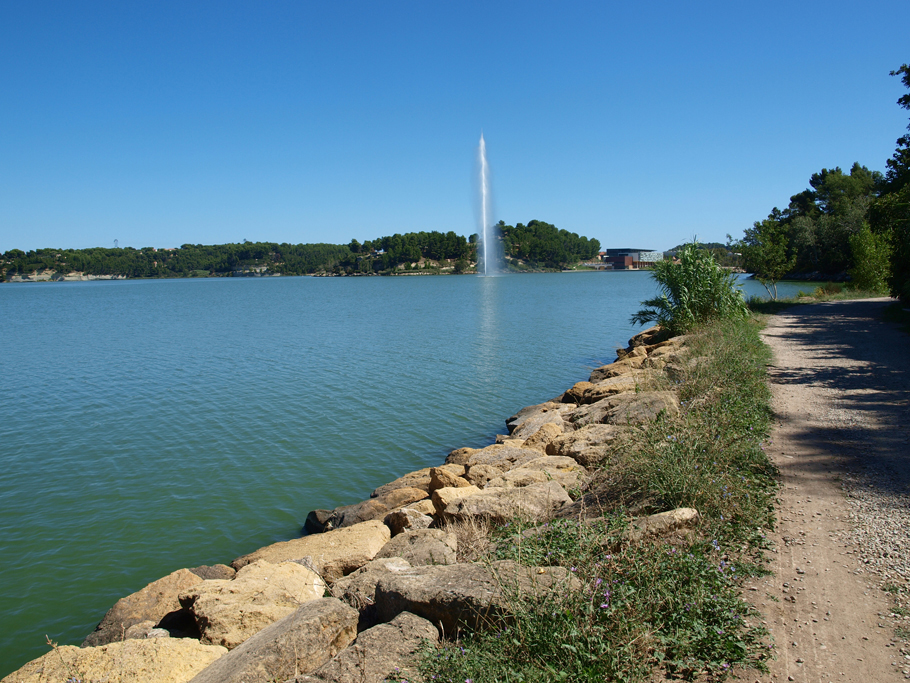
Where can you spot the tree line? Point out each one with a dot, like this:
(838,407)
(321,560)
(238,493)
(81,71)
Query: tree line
(538,243)
(855,224)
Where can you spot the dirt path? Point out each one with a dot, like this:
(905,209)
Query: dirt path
(841,385)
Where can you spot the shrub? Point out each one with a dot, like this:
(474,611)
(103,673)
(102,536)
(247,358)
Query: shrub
(694,290)
(871,258)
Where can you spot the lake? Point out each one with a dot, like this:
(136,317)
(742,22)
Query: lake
(148,425)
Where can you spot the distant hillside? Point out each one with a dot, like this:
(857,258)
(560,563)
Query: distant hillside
(538,243)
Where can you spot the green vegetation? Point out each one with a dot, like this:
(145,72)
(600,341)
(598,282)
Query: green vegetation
(538,245)
(672,606)
(541,245)
(855,223)
(694,290)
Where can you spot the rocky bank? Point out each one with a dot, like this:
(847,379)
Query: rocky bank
(373,581)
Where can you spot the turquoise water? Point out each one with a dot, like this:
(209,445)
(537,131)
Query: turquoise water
(151,425)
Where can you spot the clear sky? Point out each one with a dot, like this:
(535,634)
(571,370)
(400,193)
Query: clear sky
(641,124)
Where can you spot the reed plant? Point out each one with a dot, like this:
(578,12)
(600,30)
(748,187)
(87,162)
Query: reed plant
(694,290)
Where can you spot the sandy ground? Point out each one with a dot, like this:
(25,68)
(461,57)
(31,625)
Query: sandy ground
(841,386)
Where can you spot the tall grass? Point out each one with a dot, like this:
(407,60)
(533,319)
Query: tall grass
(674,605)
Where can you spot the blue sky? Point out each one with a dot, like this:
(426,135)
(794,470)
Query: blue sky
(640,124)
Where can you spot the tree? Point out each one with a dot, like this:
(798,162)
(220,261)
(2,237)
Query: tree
(693,291)
(898,173)
(871,258)
(765,253)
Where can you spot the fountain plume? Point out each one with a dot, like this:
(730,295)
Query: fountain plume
(487,232)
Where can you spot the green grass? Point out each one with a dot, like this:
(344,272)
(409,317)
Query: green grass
(672,606)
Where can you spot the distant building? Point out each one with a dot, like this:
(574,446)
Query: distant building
(631,259)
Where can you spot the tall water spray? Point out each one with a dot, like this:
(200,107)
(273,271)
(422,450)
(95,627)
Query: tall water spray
(486,229)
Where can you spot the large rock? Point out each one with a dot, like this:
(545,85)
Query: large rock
(589,445)
(332,554)
(298,644)
(442,497)
(533,503)
(153,603)
(214,571)
(379,654)
(229,612)
(358,588)
(543,436)
(413,480)
(479,475)
(662,524)
(528,420)
(609,387)
(626,409)
(441,478)
(465,595)
(373,508)
(561,469)
(407,519)
(422,546)
(502,456)
(163,660)
(626,366)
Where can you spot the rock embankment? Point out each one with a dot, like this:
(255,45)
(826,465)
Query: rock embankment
(373,581)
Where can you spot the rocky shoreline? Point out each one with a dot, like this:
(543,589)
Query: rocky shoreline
(372,582)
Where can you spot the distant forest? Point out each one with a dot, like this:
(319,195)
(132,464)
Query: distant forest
(537,245)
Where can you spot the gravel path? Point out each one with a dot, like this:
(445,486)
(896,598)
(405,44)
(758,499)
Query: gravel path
(837,604)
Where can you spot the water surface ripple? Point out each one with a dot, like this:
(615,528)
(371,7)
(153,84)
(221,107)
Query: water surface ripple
(151,425)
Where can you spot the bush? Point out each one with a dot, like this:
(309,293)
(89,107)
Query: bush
(695,290)
(871,258)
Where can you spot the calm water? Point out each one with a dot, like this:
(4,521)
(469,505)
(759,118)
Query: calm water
(151,425)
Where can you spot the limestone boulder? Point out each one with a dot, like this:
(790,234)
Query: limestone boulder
(406,519)
(649,336)
(413,480)
(589,445)
(442,497)
(502,456)
(517,478)
(424,506)
(663,524)
(215,571)
(163,660)
(465,595)
(543,436)
(576,393)
(154,603)
(533,503)
(382,653)
(422,546)
(332,554)
(358,589)
(609,387)
(459,456)
(229,612)
(626,409)
(528,420)
(441,478)
(316,521)
(479,475)
(298,644)
(564,470)
(626,366)
(373,508)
